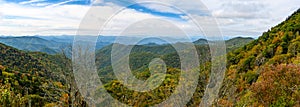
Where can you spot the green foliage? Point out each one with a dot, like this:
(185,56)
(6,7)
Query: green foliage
(31,78)
(250,77)
(294,48)
(264,72)
(247,64)
(236,43)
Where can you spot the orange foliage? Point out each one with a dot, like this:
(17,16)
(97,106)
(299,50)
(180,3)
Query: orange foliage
(64,98)
(1,67)
(225,103)
(278,83)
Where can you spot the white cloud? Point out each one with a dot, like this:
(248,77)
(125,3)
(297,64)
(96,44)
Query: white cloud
(60,3)
(65,19)
(141,24)
(31,1)
(235,17)
(162,8)
(38,20)
(95,2)
(250,18)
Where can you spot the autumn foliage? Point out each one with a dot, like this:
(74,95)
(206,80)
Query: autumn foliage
(278,86)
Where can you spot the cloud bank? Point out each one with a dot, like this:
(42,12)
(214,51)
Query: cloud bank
(57,17)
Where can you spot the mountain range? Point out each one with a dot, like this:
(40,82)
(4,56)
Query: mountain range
(56,44)
(260,72)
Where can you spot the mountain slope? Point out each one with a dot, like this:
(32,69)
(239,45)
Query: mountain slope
(253,65)
(167,51)
(22,75)
(35,79)
(200,42)
(139,58)
(35,44)
(18,60)
(237,42)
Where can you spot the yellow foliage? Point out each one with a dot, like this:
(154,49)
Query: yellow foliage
(58,84)
(64,98)
(51,105)
(296,60)
(6,74)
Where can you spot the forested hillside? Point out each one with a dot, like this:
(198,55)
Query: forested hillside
(35,44)
(141,56)
(236,43)
(266,71)
(35,79)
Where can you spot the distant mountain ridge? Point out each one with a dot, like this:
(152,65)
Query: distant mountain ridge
(34,44)
(57,44)
(237,42)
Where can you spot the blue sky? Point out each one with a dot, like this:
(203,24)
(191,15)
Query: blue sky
(49,3)
(62,17)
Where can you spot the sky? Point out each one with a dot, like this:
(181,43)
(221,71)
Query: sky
(62,17)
